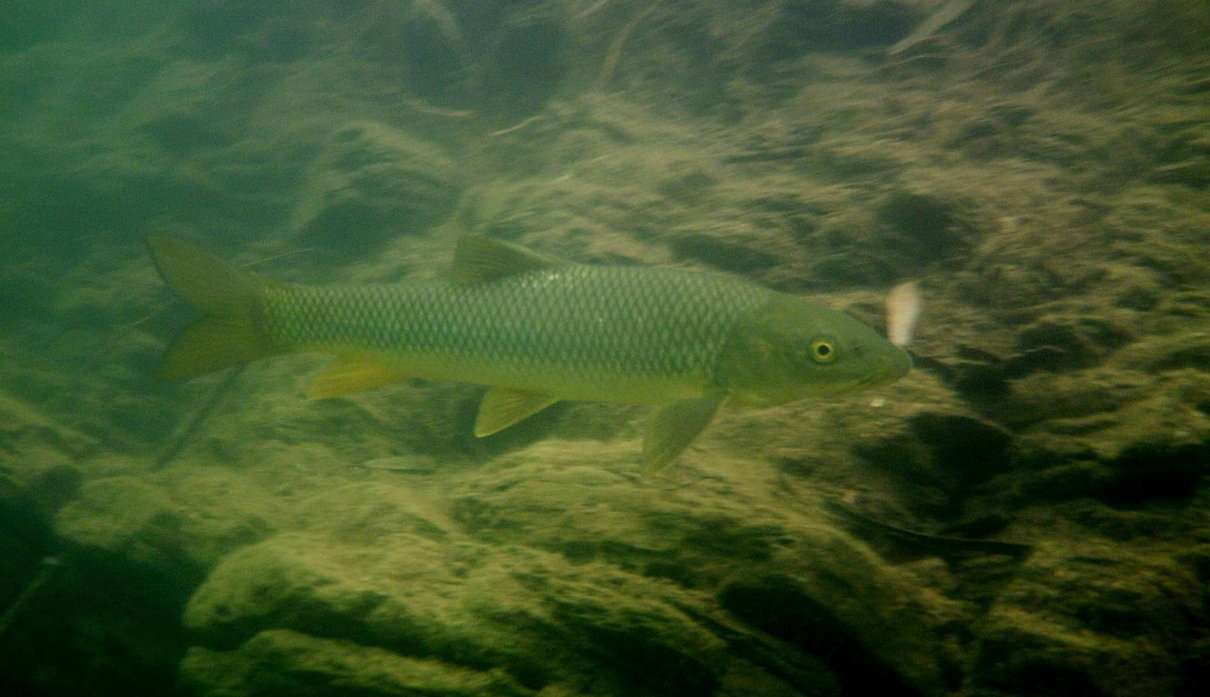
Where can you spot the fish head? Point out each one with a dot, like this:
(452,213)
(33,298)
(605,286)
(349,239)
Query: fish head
(790,349)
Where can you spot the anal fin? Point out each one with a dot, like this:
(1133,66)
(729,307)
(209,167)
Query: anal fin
(353,373)
(502,407)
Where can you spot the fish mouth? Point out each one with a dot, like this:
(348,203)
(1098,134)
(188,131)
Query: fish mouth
(901,363)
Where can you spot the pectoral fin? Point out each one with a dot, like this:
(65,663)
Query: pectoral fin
(673,427)
(355,373)
(502,407)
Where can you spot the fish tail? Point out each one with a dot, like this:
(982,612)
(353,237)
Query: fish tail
(231,330)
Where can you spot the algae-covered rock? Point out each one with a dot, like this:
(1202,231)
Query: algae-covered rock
(531,614)
(371,184)
(301,665)
(135,525)
(1097,623)
(172,530)
(553,568)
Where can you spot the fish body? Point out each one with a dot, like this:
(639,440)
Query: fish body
(619,334)
(537,330)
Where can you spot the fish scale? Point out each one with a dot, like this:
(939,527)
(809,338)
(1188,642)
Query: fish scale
(601,327)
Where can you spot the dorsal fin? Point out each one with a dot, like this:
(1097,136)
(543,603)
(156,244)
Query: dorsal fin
(479,258)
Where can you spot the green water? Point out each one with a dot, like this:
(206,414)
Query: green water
(1026,513)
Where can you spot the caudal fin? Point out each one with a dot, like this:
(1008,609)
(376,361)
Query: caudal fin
(231,330)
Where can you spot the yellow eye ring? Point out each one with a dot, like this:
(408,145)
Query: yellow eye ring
(822,351)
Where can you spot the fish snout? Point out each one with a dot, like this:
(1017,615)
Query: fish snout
(890,365)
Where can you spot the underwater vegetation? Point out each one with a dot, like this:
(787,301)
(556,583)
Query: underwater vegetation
(1024,513)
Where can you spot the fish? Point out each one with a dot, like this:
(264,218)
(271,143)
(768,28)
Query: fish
(535,329)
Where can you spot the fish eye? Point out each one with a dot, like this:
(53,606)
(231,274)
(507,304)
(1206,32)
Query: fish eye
(823,351)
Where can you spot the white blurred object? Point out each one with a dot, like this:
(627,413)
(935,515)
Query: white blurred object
(903,307)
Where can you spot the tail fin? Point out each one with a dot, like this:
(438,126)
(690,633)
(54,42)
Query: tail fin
(231,330)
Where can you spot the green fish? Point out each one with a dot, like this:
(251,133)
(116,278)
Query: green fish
(537,330)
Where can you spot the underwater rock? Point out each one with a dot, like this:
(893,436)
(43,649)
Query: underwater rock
(1089,620)
(905,235)
(216,28)
(925,227)
(1189,349)
(371,183)
(283,663)
(425,40)
(1063,344)
(87,625)
(530,614)
(55,486)
(95,601)
(165,532)
(1155,470)
(22,518)
(723,254)
(952,453)
(714,536)
(783,608)
(524,69)
(971,449)
(979,381)
(565,574)
(1193,173)
(26,539)
(803,27)
(131,524)
(1057,466)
